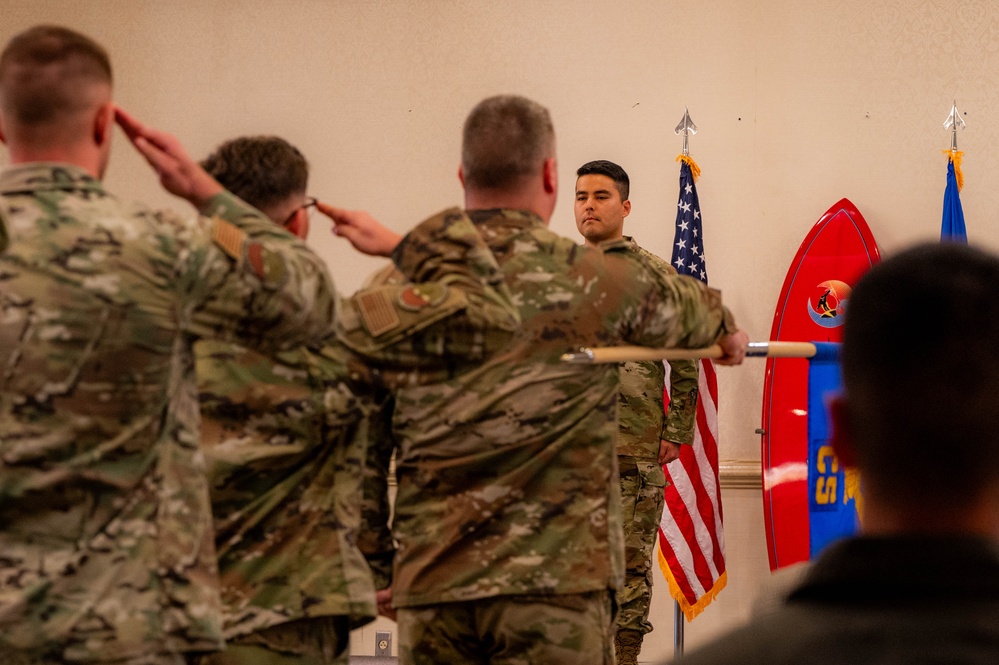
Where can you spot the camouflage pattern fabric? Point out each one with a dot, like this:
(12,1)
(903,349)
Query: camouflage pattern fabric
(106,532)
(21,658)
(572,629)
(642,425)
(642,419)
(450,270)
(507,477)
(320,641)
(375,540)
(642,501)
(286,437)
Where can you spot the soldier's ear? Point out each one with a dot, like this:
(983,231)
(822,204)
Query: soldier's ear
(3,139)
(461,175)
(549,174)
(103,122)
(841,437)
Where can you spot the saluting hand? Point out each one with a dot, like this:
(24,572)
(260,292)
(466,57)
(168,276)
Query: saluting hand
(364,232)
(179,174)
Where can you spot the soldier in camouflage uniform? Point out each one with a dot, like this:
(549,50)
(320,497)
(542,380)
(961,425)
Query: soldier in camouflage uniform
(648,437)
(105,525)
(286,436)
(508,511)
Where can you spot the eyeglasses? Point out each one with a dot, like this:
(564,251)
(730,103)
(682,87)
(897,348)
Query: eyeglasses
(310,203)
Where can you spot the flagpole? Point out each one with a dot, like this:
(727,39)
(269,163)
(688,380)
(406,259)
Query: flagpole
(621,354)
(685,128)
(953,122)
(677,629)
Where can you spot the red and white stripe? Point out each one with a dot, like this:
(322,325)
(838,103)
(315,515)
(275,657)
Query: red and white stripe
(691,538)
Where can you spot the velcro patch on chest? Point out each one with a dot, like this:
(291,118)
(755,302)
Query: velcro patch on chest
(377,311)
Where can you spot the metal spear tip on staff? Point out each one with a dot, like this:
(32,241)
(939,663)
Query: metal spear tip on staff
(620,354)
(953,121)
(686,128)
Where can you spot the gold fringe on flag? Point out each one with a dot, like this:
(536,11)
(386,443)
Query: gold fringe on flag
(694,168)
(690,611)
(955,156)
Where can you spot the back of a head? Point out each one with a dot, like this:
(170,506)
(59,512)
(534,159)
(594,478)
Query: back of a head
(50,76)
(921,375)
(261,170)
(505,138)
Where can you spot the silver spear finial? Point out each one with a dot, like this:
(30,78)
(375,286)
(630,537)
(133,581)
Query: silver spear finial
(686,127)
(953,121)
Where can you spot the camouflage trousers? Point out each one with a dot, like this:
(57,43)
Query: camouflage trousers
(22,658)
(572,629)
(642,485)
(320,641)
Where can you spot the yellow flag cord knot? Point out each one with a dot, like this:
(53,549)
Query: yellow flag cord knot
(695,170)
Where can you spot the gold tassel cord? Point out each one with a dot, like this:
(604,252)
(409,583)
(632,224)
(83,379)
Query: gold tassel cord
(955,156)
(689,161)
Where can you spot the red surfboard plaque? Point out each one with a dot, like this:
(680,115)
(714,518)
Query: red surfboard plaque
(834,254)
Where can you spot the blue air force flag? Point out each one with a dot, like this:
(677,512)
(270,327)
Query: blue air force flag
(952,227)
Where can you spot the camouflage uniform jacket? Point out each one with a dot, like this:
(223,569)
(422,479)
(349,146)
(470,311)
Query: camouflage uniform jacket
(507,477)
(285,440)
(642,419)
(105,523)
(286,437)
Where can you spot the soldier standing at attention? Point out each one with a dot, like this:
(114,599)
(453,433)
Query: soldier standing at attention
(508,512)
(286,436)
(105,524)
(648,437)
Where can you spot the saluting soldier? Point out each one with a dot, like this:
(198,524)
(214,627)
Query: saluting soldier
(286,435)
(508,514)
(105,525)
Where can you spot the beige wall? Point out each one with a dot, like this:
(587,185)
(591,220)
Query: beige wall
(798,104)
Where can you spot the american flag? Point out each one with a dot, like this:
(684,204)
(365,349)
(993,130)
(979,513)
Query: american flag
(691,539)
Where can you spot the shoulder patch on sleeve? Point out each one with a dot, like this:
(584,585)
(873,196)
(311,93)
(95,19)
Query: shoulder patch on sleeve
(377,311)
(229,237)
(418,296)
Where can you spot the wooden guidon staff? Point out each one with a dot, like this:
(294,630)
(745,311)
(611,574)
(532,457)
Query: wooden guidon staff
(620,354)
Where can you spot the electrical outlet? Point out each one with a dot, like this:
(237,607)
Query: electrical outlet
(383,643)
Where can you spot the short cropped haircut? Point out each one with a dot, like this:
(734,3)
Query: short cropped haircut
(261,170)
(921,374)
(612,171)
(505,138)
(48,72)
